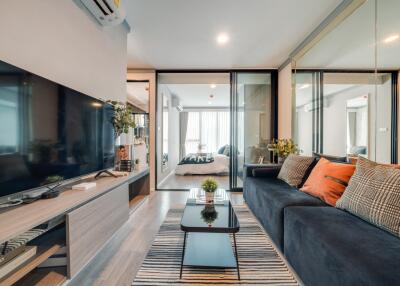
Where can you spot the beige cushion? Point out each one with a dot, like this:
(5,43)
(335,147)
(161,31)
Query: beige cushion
(373,194)
(294,169)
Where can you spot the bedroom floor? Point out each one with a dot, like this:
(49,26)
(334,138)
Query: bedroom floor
(177,182)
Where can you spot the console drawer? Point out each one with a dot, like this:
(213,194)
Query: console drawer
(90,226)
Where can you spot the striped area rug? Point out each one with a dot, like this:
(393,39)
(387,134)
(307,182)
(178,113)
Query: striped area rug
(259,262)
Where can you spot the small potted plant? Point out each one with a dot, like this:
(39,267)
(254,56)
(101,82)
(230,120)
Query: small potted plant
(283,148)
(209,186)
(209,214)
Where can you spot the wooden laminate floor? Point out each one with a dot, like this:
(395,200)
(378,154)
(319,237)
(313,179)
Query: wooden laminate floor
(121,258)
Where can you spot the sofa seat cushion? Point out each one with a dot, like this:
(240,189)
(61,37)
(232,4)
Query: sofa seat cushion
(268,197)
(328,246)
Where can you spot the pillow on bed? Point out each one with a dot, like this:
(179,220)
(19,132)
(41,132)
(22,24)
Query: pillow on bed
(197,159)
(227,151)
(222,149)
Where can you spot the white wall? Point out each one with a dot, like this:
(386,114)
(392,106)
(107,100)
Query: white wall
(285,102)
(59,41)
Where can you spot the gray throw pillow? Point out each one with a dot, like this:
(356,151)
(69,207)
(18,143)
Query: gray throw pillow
(294,169)
(373,194)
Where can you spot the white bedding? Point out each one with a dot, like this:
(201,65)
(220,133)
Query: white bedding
(219,166)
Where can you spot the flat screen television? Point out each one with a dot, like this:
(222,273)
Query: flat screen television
(47,129)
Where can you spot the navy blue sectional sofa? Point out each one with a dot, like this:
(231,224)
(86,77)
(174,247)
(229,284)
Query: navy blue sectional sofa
(325,246)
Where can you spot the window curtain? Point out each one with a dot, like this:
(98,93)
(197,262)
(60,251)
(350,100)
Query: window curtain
(206,131)
(184,119)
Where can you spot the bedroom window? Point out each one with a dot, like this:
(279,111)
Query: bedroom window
(207,131)
(193,133)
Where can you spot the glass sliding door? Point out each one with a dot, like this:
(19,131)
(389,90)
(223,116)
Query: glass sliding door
(193,129)
(308,104)
(253,117)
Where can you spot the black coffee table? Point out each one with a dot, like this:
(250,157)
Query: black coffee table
(207,239)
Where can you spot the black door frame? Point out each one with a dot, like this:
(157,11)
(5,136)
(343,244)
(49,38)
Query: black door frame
(274,107)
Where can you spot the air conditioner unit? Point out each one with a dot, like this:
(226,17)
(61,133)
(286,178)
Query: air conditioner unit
(175,102)
(106,12)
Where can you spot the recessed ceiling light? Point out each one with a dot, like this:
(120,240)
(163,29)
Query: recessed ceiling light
(213,86)
(209,102)
(97,104)
(222,39)
(391,38)
(304,86)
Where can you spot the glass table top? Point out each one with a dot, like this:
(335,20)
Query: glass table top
(209,218)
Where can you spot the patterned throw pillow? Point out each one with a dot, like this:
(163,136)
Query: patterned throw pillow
(294,169)
(373,194)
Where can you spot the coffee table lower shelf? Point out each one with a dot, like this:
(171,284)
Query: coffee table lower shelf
(209,250)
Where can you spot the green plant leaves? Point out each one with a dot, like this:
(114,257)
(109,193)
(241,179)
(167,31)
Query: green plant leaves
(123,117)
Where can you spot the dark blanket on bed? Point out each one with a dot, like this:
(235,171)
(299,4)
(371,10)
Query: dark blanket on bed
(203,158)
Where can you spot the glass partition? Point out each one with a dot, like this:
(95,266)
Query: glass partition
(252,127)
(346,86)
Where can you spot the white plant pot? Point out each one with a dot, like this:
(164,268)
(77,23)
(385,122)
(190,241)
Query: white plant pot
(209,197)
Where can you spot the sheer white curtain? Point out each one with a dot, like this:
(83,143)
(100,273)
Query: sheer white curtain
(207,131)
(193,132)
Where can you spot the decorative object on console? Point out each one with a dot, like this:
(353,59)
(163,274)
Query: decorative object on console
(209,214)
(84,186)
(125,165)
(283,148)
(328,180)
(373,194)
(295,168)
(209,185)
(137,164)
(123,120)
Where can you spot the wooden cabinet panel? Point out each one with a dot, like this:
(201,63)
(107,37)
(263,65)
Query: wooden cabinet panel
(90,226)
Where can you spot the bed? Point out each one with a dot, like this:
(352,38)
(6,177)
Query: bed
(203,164)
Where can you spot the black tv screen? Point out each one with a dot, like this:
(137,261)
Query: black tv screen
(47,129)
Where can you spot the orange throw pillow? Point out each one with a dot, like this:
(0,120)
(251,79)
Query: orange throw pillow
(328,180)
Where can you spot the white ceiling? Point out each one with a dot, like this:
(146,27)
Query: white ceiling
(181,34)
(351,44)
